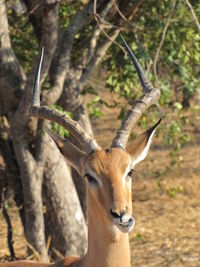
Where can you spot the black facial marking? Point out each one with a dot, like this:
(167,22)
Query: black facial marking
(107,151)
(131,172)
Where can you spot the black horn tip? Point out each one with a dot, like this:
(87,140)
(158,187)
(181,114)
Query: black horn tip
(146,85)
(122,38)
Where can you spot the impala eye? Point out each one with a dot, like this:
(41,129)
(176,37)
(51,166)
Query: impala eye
(130,173)
(90,178)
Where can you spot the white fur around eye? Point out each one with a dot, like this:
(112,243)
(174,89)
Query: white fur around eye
(124,178)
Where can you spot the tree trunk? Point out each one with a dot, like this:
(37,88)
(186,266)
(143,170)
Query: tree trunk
(11,89)
(11,176)
(65,223)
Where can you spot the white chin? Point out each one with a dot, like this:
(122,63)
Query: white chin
(125,229)
(126,226)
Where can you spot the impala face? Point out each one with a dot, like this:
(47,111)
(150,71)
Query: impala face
(108,173)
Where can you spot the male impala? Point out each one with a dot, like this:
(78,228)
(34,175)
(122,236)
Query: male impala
(107,173)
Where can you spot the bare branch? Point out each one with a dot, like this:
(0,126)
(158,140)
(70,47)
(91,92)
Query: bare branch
(163,38)
(34,9)
(118,10)
(93,44)
(99,22)
(98,55)
(122,20)
(101,51)
(93,41)
(34,251)
(64,60)
(149,98)
(130,13)
(193,14)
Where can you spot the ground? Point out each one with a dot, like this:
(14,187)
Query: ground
(166,205)
(167,213)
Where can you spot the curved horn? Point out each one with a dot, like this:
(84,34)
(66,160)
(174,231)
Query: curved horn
(43,112)
(150,97)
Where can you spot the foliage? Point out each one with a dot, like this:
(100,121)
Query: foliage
(173,191)
(139,237)
(23,39)
(93,107)
(66,12)
(178,65)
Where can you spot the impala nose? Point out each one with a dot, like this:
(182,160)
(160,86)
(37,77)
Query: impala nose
(122,220)
(118,215)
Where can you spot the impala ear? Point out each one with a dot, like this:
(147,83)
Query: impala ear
(72,154)
(139,148)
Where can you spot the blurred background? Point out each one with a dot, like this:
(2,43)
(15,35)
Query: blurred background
(87,74)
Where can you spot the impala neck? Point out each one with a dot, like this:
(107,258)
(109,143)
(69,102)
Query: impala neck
(107,246)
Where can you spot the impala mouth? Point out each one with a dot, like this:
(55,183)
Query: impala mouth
(127,226)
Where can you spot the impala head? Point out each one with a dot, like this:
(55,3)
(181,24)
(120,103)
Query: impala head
(108,175)
(107,172)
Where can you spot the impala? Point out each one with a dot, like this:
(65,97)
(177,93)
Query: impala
(107,173)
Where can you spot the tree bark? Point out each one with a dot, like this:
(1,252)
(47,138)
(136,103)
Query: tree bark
(12,182)
(10,89)
(65,222)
